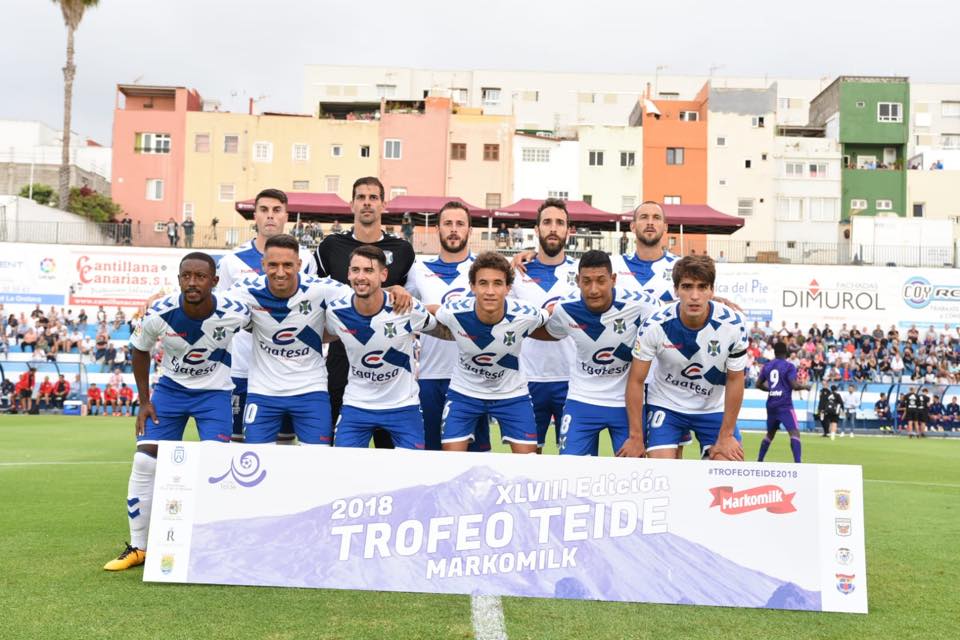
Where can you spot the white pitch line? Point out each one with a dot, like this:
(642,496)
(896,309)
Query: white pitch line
(487,614)
(40,463)
(917,484)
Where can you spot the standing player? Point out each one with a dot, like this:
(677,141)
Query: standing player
(924,416)
(381,388)
(833,405)
(912,403)
(195,330)
(779,379)
(333,257)
(648,269)
(246,261)
(602,321)
(700,347)
(435,282)
(548,278)
(488,381)
(94,399)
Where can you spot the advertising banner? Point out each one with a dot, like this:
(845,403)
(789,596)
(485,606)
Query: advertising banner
(666,531)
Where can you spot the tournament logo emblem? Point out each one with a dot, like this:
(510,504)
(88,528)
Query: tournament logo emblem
(844,555)
(843,526)
(841,499)
(305,307)
(245,471)
(713,347)
(509,338)
(219,333)
(389,329)
(619,325)
(173,507)
(166,563)
(178,455)
(845,583)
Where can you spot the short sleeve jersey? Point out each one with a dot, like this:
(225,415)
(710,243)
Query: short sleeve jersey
(779,376)
(488,356)
(692,364)
(652,276)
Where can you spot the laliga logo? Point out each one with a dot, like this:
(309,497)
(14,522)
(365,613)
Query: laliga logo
(483,359)
(453,294)
(693,371)
(373,360)
(195,356)
(47,265)
(603,356)
(918,292)
(285,336)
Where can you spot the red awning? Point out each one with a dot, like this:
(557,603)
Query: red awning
(431,205)
(700,218)
(580,212)
(309,206)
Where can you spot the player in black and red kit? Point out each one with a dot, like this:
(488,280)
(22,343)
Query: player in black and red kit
(333,259)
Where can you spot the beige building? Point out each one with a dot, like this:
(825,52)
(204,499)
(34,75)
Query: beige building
(231,157)
(934,195)
(480,158)
(611,171)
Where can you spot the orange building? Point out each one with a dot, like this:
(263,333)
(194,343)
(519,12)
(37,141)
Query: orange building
(413,146)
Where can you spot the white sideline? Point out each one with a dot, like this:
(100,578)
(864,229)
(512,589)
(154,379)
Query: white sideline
(487,615)
(917,484)
(38,463)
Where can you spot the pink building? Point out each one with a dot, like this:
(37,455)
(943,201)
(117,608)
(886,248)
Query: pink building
(413,147)
(149,139)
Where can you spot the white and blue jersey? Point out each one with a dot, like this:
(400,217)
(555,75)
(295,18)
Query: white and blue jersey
(288,335)
(488,356)
(380,352)
(652,276)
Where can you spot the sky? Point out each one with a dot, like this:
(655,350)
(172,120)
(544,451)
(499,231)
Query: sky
(232,50)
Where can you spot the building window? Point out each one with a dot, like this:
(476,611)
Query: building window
(187,210)
(722,182)
(587,198)
(154,189)
(152,143)
(596,159)
(392,149)
(889,112)
(950,140)
(563,195)
(534,154)
(747,164)
(756,122)
(858,204)
(301,152)
(458,151)
(201,143)
(231,144)
(674,155)
(628,159)
(585,98)
(884,205)
(336,150)
(396,192)
(226,193)
(492,201)
(744,207)
(301,185)
(950,109)
(763,157)
(386,90)
(689,116)
(262,152)
(671,199)
(668,95)
(824,209)
(628,203)
(459,95)
(793,169)
(491,152)
(490,95)
(861,104)
(790,103)
(790,209)
(530,96)
(333,184)
(918,208)
(721,141)
(818,169)
(364,151)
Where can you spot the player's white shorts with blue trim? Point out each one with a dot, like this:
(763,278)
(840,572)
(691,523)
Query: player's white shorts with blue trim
(664,428)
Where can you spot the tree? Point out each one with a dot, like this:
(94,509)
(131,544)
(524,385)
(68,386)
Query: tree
(72,11)
(86,202)
(42,193)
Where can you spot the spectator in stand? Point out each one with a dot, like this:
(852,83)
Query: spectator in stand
(82,320)
(406,228)
(101,346)
(120,358)
(94,399)
(503,236)
(109,357)
(101,315)
(119,319)
(29,340)
(87,349)
(516,234)
(115,378)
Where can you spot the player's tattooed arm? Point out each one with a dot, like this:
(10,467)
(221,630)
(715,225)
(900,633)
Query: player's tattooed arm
(400,299)
(634,447)
(440,331)
(520,260)
(141,373)
(541,333)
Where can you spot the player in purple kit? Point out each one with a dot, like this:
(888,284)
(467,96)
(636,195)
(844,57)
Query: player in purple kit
(779,379)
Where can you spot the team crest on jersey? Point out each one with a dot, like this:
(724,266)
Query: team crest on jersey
(389,329)
(619,325)
(571,278)
(713,347)
(841,499)
(219,333)
(509,338)
(845,583)
(305,307)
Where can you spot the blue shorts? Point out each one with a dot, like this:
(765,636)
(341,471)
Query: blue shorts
(548,399)
(664,428)
(777,416)
(263,417)
(355,426)
(581,426)
(433,397)
(515,415)
(237,402)
(174,404)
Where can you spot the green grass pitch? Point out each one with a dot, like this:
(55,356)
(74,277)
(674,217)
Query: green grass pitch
(60,522)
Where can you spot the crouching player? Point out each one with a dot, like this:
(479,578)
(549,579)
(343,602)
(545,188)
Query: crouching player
(603,322)
(381,389)
(195,330)
(700,347)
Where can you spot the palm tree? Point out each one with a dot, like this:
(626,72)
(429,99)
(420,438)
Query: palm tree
(72,15)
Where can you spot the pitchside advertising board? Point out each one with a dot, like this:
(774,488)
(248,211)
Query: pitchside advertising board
(59,275)
(682,532)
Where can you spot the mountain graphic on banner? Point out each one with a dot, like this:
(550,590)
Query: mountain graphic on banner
(299,550)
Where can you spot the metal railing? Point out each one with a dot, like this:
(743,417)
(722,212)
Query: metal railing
(840,253)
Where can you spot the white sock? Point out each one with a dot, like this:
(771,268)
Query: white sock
(140,497)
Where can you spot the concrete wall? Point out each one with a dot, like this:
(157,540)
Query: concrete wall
(15,176)
(422,167)
(537,179)
(612,187)
(474,177)
(687,180)
(805,188)
(938,192)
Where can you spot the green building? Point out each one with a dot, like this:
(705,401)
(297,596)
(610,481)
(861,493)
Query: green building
(870,117)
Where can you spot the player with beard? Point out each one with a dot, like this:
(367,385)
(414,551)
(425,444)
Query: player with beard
(333,260)
(547,279)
